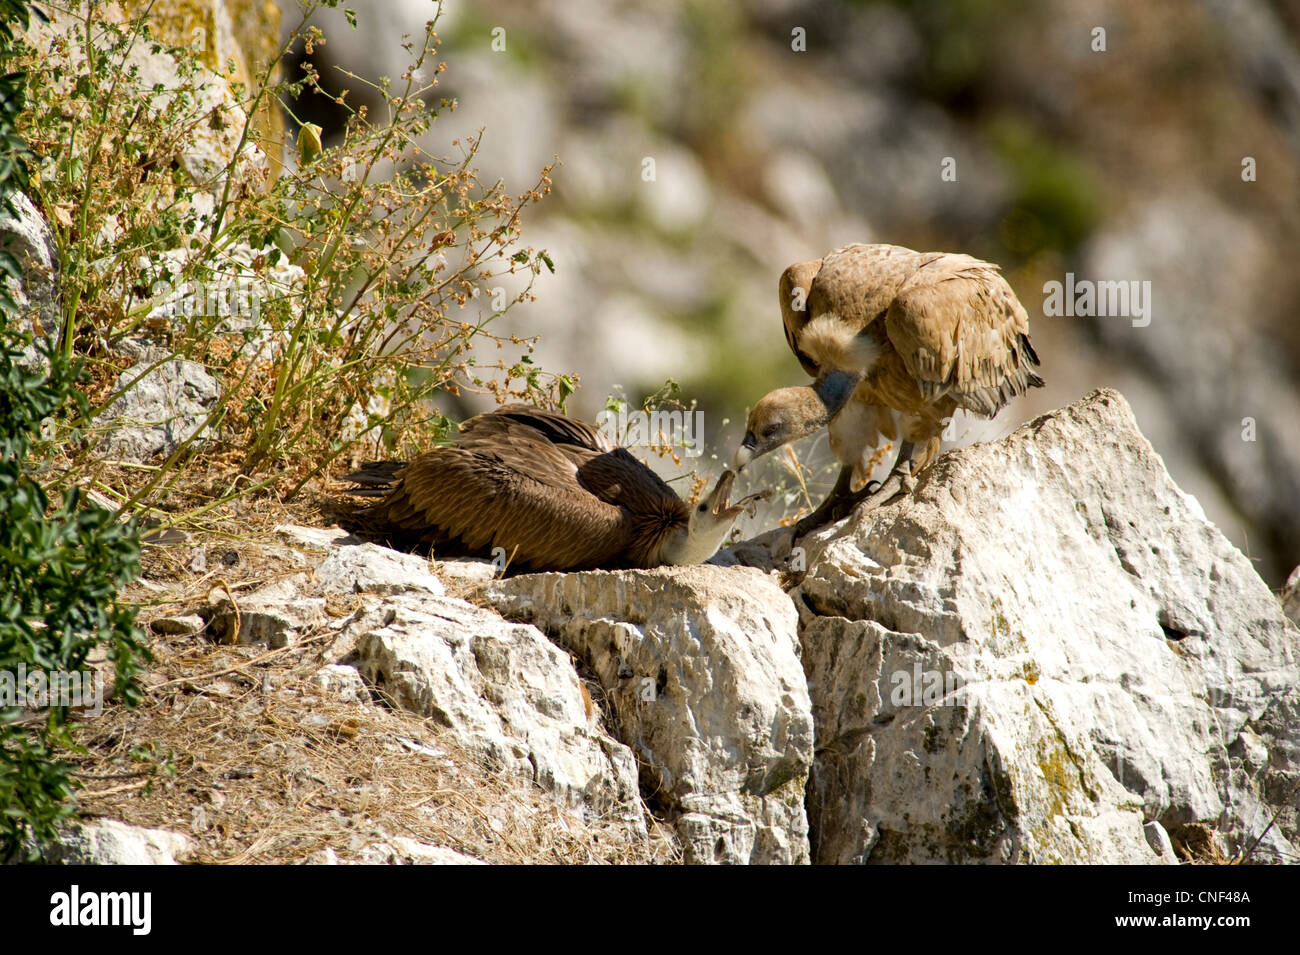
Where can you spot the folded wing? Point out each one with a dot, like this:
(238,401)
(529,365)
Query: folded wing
(961,332)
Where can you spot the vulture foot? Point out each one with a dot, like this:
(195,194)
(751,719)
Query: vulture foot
(897,484)
(836,507)
(841,502)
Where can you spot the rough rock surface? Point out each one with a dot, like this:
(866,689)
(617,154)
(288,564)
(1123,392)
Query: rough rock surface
(369,568)
(276,614)
(510,695)
(700,669)
(26,236)
(109,842)
(1291,597)
(1046,654)
(167,406)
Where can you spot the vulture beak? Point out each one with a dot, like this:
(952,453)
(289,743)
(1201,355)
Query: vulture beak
(746,452)
(711,521)
(718,501)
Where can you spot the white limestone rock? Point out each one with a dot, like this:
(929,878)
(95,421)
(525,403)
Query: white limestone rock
(371,569)
(109,842)
(277,613)
(1104,659)
(26,236)
(509,696)
(700,668)
(157,408)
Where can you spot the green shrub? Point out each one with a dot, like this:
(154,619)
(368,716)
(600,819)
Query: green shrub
(60,573)
(60,568)
(375,264)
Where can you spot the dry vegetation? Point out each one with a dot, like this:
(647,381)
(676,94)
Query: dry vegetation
(379,267)
(239,747)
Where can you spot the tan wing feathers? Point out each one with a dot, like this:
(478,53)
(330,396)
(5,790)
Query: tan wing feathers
(961,332)
(952,318)
(859,282)
(856,284)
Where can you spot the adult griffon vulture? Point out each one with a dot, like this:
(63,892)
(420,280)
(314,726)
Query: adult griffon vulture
(884,329)
(551,492)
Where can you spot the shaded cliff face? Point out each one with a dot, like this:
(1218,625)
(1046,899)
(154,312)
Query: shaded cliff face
(782,129)
(1044,653)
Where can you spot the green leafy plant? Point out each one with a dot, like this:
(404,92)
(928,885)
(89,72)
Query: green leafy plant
(330,298)
(60,568)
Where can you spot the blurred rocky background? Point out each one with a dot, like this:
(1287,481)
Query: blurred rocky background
(780,129)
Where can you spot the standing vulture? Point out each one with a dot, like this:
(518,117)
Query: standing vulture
(552,493)
(883,329)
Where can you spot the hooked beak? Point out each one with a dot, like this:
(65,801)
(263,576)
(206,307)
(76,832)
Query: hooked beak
(717,500)
(746,452)
(718,504)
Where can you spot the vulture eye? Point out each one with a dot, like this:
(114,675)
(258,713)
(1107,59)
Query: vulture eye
(702,508)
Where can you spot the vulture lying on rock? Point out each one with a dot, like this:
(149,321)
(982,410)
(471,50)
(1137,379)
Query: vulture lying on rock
(883,329)
(552,493)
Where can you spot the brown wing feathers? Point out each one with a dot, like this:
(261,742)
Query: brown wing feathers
(962,332)
(538,485)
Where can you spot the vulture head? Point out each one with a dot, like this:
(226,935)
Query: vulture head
(710,522)
(780,417)
(789,414)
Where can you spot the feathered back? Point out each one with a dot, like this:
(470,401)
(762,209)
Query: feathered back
(952,319)
(550,492)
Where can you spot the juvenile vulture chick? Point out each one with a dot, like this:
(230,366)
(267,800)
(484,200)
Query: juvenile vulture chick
(550,491)
(884,329)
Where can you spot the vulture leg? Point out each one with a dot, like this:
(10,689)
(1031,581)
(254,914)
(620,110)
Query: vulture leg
(837,505)
(899,481)
(841,501)
(839,495)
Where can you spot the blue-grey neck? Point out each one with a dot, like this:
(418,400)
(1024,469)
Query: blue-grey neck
(833,388)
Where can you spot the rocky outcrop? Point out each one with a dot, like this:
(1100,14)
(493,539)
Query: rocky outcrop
(109,842)
(1046,654)
(694,671)
(1043,653)
(510,698)
(700,670)
(509,695)
(26,236)
(161,404)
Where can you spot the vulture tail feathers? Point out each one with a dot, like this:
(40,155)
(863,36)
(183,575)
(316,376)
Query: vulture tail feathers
(374,475)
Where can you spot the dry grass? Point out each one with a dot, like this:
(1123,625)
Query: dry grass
(240,749)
